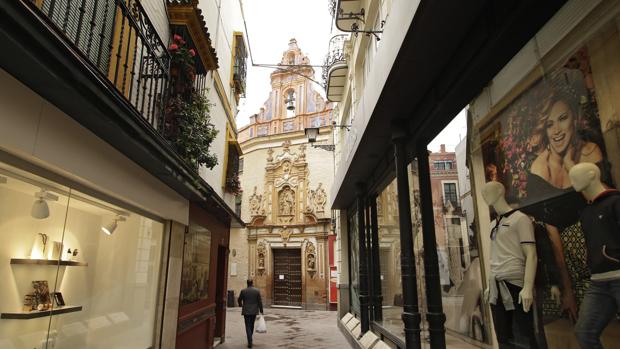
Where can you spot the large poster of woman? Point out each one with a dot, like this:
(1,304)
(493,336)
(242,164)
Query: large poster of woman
(530,147)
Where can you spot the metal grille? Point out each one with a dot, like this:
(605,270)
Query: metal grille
(118,38)
(287,277)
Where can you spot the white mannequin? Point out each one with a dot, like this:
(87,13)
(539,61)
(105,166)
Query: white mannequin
(493,194)
(585,177)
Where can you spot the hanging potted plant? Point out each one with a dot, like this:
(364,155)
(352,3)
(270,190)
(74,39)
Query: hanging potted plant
(187,123)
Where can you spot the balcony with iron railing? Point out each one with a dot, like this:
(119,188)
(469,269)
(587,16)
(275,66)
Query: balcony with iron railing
(335,68)
(104,65)
(240,66)
(119,40)
(348,15)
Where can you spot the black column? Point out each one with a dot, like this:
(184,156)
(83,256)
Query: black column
(411,315)
(376,262)
(363,272)
(371,264)
(435,315)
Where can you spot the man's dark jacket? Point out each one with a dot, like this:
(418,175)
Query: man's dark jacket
(250,301)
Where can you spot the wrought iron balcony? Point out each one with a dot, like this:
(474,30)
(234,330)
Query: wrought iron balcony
(335,68)
(119,40)
(348,14)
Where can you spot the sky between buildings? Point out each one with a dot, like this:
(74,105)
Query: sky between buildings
(271,24)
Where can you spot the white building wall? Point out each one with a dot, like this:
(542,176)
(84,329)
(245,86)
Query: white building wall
(223,18)
(158,15)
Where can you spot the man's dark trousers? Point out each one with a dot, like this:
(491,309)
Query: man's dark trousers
(249,327)
(251,304)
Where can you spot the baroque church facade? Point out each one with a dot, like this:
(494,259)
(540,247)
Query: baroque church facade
(287,244)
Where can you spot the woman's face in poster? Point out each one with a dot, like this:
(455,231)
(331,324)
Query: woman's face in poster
(560,127)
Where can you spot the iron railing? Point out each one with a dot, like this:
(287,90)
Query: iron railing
(118,38)
(335,54)
(239,73)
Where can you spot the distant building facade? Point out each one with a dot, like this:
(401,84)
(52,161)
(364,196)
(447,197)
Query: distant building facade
(285,181)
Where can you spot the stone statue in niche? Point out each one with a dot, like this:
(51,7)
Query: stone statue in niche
(261,250)
(269,155)
(302,153)
(286,167)
(255,203)
(310,258)
(318,198)
(286,202)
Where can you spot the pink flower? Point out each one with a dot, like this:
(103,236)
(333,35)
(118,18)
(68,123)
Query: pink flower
(192,52)
(178,39)
(173,47)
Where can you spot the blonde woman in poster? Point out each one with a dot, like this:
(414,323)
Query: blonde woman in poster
(562,149)
(552,126)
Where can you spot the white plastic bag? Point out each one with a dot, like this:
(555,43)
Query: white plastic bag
(261,326)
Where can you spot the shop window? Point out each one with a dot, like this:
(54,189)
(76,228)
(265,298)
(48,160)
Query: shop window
(459,264)
(555,122)
(354,264)
(83,273)
(389,260)
(196,260)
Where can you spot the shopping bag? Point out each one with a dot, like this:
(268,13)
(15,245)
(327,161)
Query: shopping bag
(261,326)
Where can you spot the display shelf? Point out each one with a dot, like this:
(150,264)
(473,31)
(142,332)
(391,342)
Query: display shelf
(25,315)
(47,262)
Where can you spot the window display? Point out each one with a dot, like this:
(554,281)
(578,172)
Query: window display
(196,258)
(513,268)
(354,264)
(558,119)
(599,220)
(67,284)
(389,259)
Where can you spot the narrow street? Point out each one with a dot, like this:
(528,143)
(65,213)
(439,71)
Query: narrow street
(287,328)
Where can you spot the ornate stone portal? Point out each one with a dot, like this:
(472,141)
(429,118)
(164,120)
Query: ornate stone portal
(287,210)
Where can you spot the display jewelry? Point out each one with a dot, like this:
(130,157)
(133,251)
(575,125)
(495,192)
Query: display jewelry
(42,295)
(56,250)
(59,299)
(30,302)
(44,240)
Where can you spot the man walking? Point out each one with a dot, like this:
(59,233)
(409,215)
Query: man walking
(250,303)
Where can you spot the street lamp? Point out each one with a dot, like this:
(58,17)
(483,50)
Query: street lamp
(313,132)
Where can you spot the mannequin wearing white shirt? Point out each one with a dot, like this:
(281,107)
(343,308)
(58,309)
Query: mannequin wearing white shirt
(513,268)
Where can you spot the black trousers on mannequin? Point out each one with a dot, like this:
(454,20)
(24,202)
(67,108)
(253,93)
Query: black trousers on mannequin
(514,328)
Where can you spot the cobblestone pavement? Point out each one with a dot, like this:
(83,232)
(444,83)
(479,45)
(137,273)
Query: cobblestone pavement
(287,329)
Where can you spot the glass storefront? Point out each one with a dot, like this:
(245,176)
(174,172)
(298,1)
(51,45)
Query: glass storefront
(389,260)
(77,272)
(563,114)
(555,106)
(196,258)
(354,264)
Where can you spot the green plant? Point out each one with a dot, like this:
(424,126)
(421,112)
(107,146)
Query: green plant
(233,185)
(187,122)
